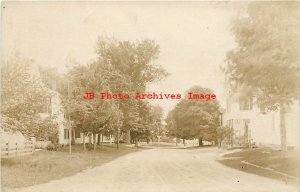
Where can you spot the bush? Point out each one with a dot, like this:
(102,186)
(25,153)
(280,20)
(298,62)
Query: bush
(121,141)
(90,147)
(51,147)
(165,139)
(42,144)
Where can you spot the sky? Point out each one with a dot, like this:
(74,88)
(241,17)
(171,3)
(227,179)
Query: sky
(193,36)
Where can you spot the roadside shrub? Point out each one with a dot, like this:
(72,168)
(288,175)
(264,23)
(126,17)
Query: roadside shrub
(165,139)
(121,141)
(51,147)
(42,144)
(58,146)
(90,147)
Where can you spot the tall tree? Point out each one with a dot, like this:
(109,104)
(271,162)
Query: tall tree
(195,118)
(23,94)
(223,133)
(49,76)
(88,116)
(266,60)
(171,127)
(157,128)
(122,67)
(134,62)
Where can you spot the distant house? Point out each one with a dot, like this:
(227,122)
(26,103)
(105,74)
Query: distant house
(54,108)
(250,125)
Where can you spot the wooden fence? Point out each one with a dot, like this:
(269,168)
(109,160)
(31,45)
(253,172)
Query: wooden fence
(9,149)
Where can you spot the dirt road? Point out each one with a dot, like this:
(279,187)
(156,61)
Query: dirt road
(163,170)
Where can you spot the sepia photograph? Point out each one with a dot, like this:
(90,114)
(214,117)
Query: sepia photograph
(150,96)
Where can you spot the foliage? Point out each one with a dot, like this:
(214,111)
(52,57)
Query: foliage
(87,115)
(134,60)
(22,96)
(224,132)
(49,76)
(266,61)
(9,124)
(22,91)
(46,129)
(122,67)
(194,118)
(172,129)
(134,68)
(51,147)
(156,126)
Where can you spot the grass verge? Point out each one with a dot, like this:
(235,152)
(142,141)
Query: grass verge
(44,166)
(275,163)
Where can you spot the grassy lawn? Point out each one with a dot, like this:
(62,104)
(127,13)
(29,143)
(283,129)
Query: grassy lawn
(43,166)
(275,160)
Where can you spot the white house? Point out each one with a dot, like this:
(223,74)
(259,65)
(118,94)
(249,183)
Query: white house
(53,107)
(250,125)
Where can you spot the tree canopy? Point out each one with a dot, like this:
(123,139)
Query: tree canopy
(121,67)
(23,96)
(266,60)
(194,118)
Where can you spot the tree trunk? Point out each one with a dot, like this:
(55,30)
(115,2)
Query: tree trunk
(90,138)
(127,138)
(94,139)
(183,141)
(70,138)
(200,141)
(73,136)
(84,147)
(118,139)
(282,128)
(99,138)
(136,142)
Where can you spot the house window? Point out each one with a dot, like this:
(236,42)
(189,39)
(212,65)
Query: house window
(245,103)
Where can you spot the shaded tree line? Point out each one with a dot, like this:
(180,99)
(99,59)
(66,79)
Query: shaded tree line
(121,67)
